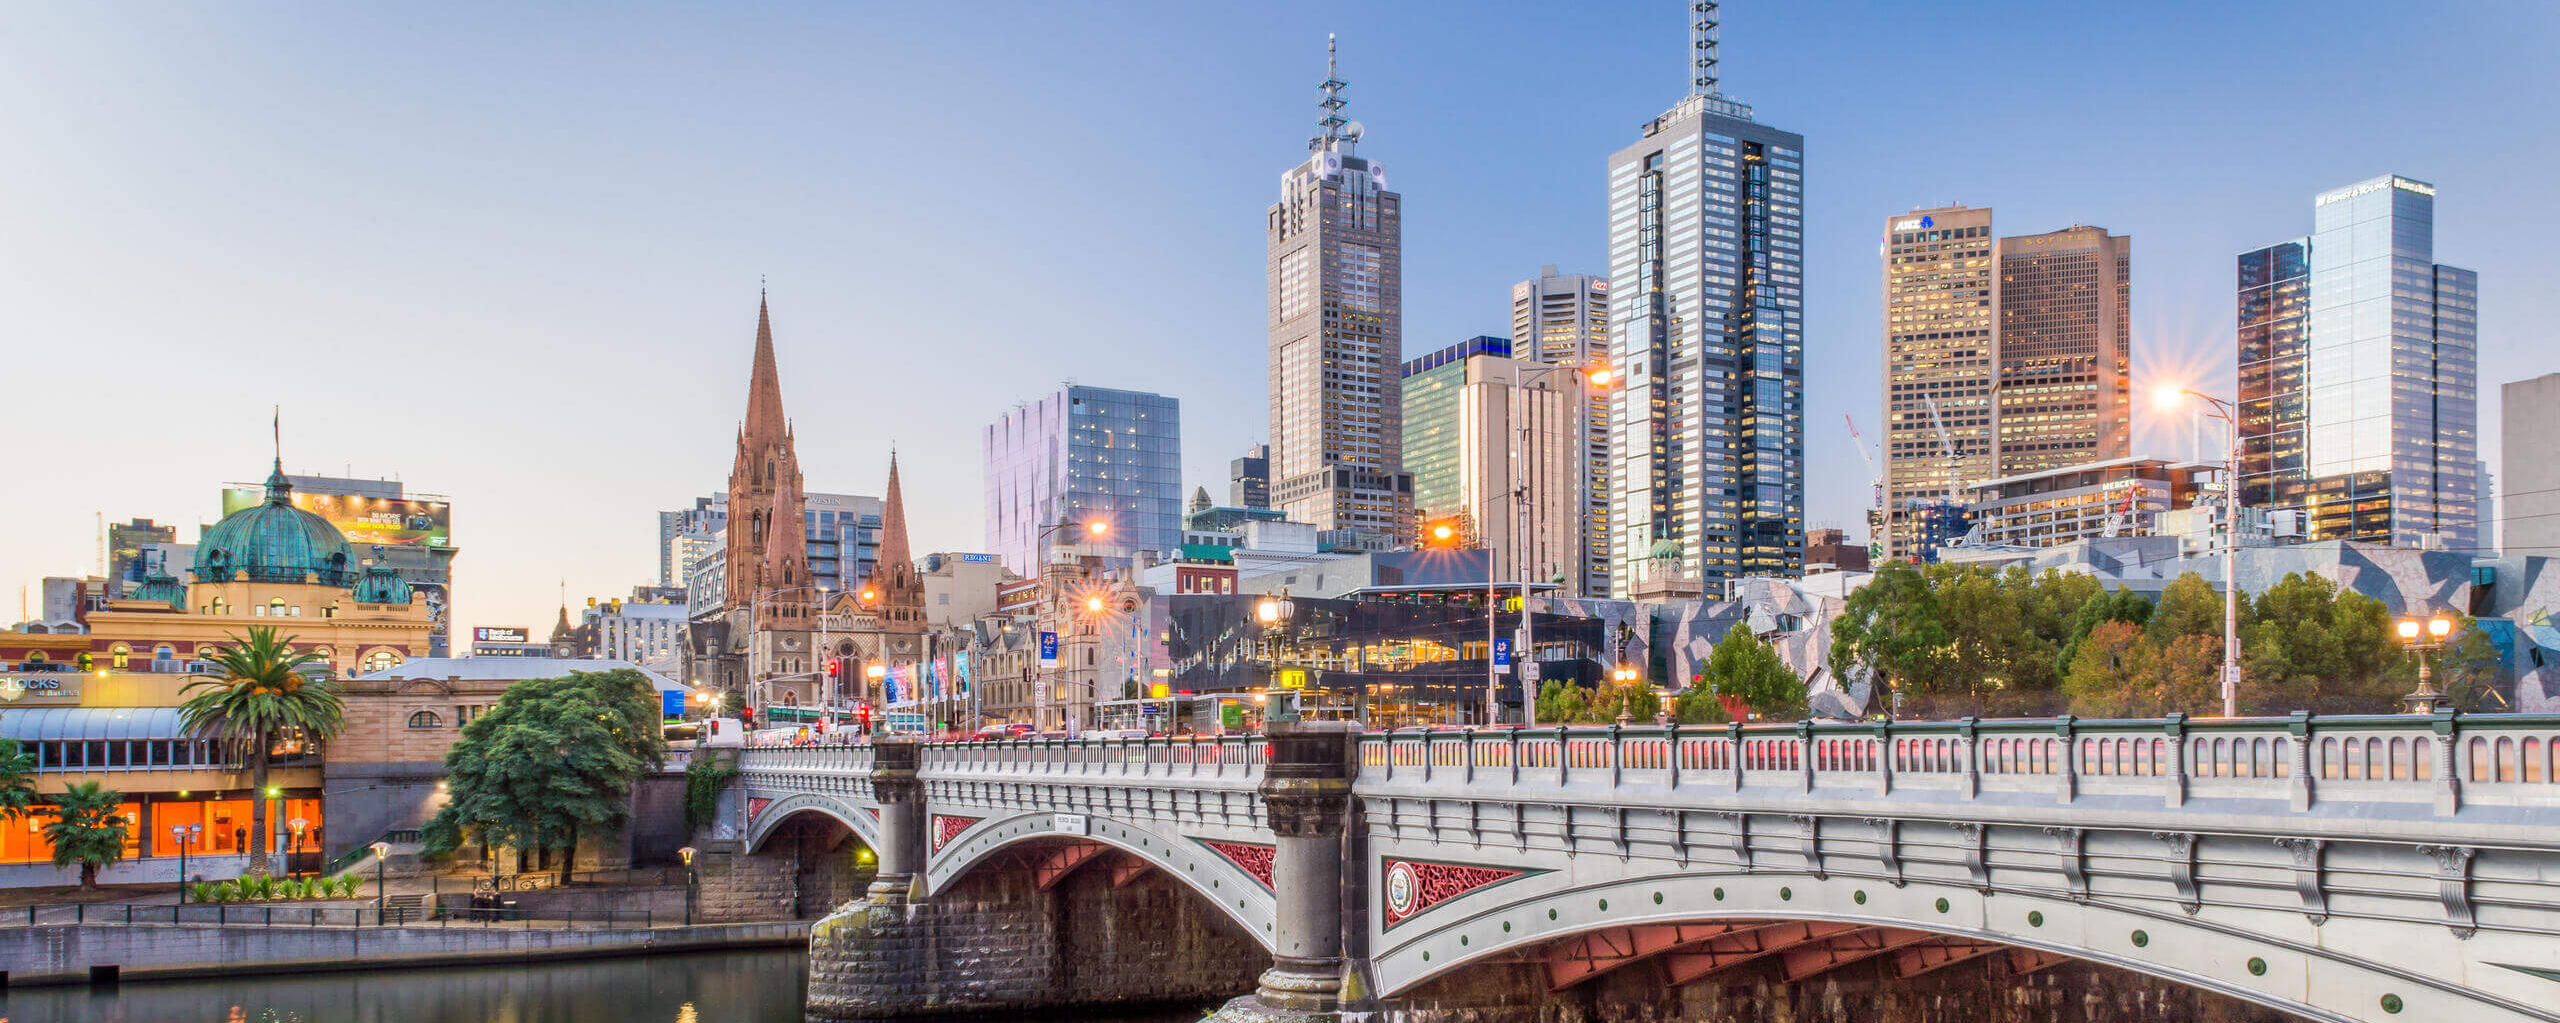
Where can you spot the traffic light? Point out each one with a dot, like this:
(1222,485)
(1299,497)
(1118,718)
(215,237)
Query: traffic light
(862,715)
(835,669)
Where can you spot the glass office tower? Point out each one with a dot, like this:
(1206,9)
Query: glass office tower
(1081,454)
(2359,379)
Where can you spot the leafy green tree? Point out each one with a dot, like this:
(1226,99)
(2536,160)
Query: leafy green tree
(1894,627)
(2113,671)
(17,780)
(552,762)
(2124,605)
(1744,670)
(1698,705)
(1560,704)
(262,698)
(2188,606)
(88,829)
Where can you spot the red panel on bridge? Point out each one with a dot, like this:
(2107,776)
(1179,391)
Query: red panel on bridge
(1416,885)
(1252,859)
(946,826)
(756,806)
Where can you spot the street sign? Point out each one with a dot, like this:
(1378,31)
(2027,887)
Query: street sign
(1048,650)
(1068,823)
(1502,652)
(1528,671)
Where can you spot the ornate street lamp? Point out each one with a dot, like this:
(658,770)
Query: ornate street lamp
(2424,637)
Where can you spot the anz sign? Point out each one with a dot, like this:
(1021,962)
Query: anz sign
(1922,224)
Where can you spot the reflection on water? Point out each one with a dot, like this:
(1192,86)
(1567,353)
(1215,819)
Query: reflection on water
(739,987)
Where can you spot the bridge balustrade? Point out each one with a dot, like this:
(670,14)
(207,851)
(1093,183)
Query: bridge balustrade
(2390,758)
(1205,756)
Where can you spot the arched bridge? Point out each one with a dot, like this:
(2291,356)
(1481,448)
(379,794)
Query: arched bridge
(2349,868)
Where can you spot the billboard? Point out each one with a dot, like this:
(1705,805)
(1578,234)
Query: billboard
(367,521)
(499,634)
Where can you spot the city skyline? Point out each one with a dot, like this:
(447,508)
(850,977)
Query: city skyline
(493,294)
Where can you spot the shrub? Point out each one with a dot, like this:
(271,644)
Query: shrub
(257,888)
(348,885)
(205,891)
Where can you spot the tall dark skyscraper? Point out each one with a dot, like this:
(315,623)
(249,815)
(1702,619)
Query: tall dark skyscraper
(2358,373)
(1706,322)
(1336,243)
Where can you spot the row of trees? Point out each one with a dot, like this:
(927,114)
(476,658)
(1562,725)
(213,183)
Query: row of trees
(1950,640)
(1743,678)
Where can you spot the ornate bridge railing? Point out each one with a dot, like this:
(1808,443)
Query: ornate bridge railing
(2447,759)
(1223,756)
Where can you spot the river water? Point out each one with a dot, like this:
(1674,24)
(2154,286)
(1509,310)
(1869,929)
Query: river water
(716,987)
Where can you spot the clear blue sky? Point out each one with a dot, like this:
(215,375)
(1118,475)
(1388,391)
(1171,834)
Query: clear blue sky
(510,254)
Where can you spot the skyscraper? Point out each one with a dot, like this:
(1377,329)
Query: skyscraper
(1494,442)
(1336,241)
(2065,349)
(2358,374)
(1706,274)
(2003,356)
(1078,455)
(1563,319)
(1941,362)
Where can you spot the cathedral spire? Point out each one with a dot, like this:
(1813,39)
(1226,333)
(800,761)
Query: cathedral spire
(901,589)
(765,422)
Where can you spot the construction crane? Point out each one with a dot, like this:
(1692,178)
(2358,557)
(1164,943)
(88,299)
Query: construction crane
(1955,462)
(1875,499)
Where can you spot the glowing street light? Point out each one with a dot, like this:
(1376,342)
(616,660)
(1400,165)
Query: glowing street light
(2170,397)
(2423,637)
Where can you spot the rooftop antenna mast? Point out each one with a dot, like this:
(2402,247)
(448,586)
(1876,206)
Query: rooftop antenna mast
(1333,122)
(1702,43)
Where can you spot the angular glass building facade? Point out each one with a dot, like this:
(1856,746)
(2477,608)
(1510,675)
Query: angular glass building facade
(2359,376)
(1706,322)
(1081,454)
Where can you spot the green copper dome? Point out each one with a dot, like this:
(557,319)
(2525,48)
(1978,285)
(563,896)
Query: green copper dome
(1666,549)
(275,542)
(381,584)
(161,588)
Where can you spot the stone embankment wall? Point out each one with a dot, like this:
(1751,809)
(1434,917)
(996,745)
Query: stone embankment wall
(995,942)
(815,871)
(1983,991)
(66,953)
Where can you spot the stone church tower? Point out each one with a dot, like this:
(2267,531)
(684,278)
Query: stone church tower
(769,595)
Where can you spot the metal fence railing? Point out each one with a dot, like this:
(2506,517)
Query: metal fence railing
(316,917)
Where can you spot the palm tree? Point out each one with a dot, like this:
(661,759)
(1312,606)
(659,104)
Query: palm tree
(17,780)
(87,830)
(262,697)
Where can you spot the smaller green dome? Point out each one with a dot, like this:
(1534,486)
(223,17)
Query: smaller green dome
(275,542)
(161,588)
(1666,549)
(381,584)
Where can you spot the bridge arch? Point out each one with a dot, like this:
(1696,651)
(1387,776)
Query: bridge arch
(770,819)
(1242,897)
(1587,925)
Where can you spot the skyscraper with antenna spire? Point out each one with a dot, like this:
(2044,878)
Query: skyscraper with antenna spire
(1336,246)
(1706,326)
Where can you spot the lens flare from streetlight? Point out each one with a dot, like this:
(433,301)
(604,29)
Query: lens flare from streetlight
(2168,396)
(1601,376)
(1097,527)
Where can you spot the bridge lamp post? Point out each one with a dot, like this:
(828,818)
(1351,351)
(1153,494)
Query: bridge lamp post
(2424,637)
(692,883)
(1275,612)
(381,880)
(2229,413)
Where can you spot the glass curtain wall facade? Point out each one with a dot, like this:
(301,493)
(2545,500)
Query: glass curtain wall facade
(1079,455)
(2385,387)
(1706,314)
